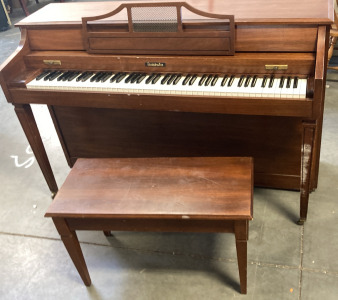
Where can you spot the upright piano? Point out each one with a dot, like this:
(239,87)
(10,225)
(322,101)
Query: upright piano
(196,78)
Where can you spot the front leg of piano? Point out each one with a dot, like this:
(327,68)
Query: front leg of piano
(309,129)
(27,121)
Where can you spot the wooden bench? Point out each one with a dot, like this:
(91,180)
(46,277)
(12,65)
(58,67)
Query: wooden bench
(211,194)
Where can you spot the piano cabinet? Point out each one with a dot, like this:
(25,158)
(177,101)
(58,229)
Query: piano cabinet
(282,134)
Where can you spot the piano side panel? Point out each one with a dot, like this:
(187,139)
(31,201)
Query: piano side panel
(274,142)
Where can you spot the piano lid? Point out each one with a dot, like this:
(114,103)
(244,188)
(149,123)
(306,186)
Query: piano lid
(245,11)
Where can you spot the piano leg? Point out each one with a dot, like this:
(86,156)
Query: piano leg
(27,121)
(307,153)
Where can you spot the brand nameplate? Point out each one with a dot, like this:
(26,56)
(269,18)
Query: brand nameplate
(155,64)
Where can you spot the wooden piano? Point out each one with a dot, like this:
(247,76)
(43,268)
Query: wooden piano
(157,79)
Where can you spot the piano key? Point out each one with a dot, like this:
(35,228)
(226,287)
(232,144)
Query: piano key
(295,82)
(42,74)
(87,76)
(240,81)
(254,81)
(115,77)
(251,86)
(177,79)
(186,79)
(165,78)
(150,78)
(129,77)
(265,79)
(73,76)
(156,78)
(247,81)
(106,76)
(208,80)
(140,79)
(288,82)
(271,81)
(93,78)
(135,77)
(214,81)
(282,80)
(224,80)
(202,79)
(171,79)
(121,77)
(192,80)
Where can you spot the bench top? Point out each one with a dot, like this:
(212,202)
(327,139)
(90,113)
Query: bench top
(172,188)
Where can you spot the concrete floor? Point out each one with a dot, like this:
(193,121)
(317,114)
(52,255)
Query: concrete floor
(285,261)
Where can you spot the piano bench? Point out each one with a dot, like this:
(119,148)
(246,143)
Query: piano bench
(185,194)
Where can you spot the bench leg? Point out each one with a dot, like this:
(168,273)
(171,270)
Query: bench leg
(241,234)
(72,245)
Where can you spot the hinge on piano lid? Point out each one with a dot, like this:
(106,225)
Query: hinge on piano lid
(52,62)
(276,67)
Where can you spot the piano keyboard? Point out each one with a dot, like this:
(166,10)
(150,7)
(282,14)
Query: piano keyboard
(172,84)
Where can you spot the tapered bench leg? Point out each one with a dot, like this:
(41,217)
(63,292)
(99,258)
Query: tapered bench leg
(241,234)
(72,245)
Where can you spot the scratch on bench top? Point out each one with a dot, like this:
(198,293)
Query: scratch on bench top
(207,179)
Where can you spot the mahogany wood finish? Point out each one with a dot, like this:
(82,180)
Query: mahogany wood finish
(27,120)
(163,33)
(194,194)
(99,124)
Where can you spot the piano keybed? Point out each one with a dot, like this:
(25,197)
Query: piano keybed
(225,85)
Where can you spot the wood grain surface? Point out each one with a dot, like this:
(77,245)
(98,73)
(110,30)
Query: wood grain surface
(259,11)
(191,188)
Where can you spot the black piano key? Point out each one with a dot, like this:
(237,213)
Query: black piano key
(272,79)
(214,81)
(121,77)
(49,75)
(192,80)
(115,77)
(231,80)
(55,75)
(156,78)
(265,79)
(247,81)
(73,76)
(69,74)
(295,82)
(240,81)
(224,80)
(178,78)
(140,79)
(171,79)
(130,76)
(87,76)
(43,74)
(208,81)
(282,80)
(186,79)
(83,74)
(135,77)
(63,75)
(254,80)
(106,77)
(165,78)
(150,78)
(288,82)
(97,74)
(98,78)
(202,80)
